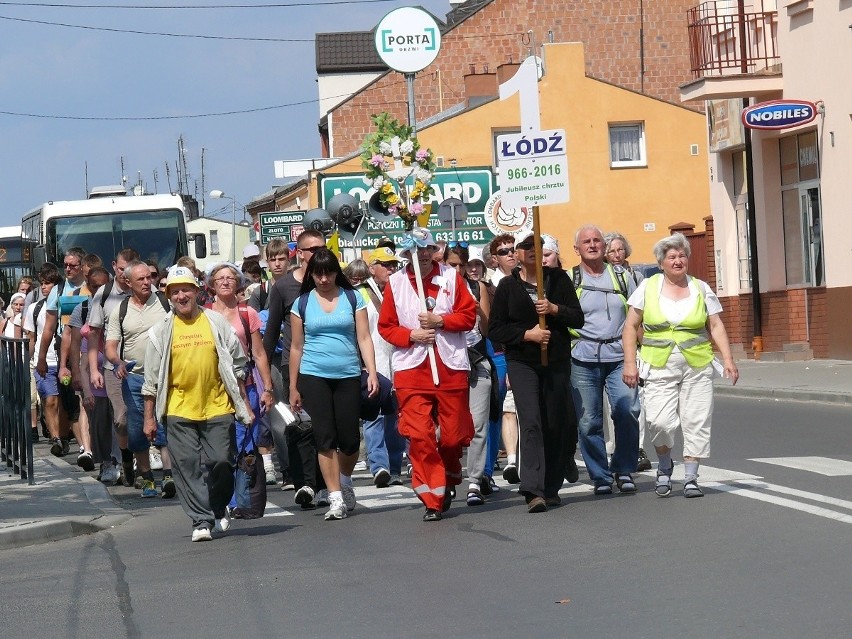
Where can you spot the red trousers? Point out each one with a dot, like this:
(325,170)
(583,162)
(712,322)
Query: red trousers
(435,464)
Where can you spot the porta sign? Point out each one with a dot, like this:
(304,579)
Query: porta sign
(779,114)
(408,39)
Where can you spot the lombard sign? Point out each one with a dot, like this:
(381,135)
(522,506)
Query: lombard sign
(408,39)
(474,186)
(779,114)
(284,224)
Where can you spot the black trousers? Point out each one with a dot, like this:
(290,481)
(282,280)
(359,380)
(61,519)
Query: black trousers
(546,419)
(301,447)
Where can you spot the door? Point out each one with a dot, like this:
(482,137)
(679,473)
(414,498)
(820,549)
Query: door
(812,233)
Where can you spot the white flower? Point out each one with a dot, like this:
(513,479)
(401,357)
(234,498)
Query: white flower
(385,148)
(379,182)
(406,147)
(424,176)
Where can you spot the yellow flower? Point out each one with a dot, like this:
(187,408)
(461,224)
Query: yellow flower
(387,188)
(392,199)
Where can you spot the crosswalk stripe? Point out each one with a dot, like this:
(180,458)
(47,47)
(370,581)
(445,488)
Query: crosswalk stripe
(780,501)
(812,464)
(793,492)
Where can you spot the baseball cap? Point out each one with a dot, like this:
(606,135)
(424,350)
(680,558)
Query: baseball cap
(251,250)
(475,254)
(180,275)
(528,239)
(382,254)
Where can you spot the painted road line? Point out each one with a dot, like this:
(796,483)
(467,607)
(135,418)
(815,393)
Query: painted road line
(793,492)
(276,511)
(820,465)
(780,501)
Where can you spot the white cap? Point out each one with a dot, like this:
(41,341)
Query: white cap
(251,250)
(475,254)
(550,243)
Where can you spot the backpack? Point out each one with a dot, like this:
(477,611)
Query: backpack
(303,302)
(122,313)
(577,276)
(56,338)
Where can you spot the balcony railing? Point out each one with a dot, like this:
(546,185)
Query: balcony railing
(727,37)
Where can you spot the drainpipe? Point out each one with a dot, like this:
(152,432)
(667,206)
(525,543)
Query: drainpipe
(757,341)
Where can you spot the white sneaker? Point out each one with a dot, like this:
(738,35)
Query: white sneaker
(348,497)
(110,473)
(322,498)
(360,466)
(155,458)
(304,496)
(201,534)
(222,525)
(270,476)
(336,511)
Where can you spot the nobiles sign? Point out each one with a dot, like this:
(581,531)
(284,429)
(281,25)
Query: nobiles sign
(779,114)
(408,39)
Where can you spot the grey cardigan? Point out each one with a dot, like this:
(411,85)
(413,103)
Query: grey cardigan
(232,361)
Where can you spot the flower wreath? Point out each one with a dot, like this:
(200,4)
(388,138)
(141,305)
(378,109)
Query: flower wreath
(377,158)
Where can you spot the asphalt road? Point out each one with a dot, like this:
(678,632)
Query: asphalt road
(766,553)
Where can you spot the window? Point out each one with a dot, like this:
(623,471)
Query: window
(627,145)
(214,242)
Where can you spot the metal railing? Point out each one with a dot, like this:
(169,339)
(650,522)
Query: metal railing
(16,439)
(728,37)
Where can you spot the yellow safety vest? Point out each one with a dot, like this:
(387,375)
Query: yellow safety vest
(660,336)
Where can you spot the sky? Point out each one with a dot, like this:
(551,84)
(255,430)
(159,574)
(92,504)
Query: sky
(67,72)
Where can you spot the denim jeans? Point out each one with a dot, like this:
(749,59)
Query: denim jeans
(495,426)
(589,382)
(385,445)
(131,391)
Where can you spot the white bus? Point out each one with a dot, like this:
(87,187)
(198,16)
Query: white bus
(108,221)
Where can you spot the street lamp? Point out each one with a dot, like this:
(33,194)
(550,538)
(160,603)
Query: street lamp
(216,194)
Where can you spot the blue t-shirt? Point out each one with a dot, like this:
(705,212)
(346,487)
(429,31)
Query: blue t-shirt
(331,348)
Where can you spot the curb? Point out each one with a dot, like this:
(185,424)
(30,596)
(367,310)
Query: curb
(783,394)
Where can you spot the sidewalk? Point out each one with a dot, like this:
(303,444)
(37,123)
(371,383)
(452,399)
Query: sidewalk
(65,501)
(818,380)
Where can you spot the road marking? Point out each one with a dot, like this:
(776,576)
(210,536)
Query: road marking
(781,501)
(820,465)
(793,492)
(276,511)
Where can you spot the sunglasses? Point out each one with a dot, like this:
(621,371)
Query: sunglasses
(161,284)
(455,244)
(312,249)
(503,252)
(526,246)
(67,265)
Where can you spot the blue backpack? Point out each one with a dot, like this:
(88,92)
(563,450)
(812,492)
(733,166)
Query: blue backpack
(264,318)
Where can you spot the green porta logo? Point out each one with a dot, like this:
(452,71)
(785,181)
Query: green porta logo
(403,42)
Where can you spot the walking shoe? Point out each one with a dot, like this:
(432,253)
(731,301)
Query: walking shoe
(66,447)
(222,524)
(348,497)
(691,489)
(337,510)
(169,488)
(474,496)
(396,479)
(34,435)
(303,496)
(572,473)
(155,459)
(603,489)
(510,474)
(110,474)
(644,463)
(137,483)
(448,499)
(85,461)
(148,488)
(201,534)
(287,483)
(360,466)
(322,498)
(663,487)
(625,483)
(431,515)
(553,501)
(270,476)
(56,447)
(485,485)
(536,505)
(382,478)
(409,470)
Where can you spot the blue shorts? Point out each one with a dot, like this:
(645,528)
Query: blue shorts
(47,386)
(131,391)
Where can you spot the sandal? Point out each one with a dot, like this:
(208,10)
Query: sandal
(603,489)
(474,497)
(691,489)
(663,488)
(625,483)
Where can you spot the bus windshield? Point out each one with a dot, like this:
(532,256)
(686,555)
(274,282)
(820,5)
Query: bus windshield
(155,235)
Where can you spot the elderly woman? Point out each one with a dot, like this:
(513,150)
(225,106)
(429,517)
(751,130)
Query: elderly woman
(7,322)
(617,251)
(679,316)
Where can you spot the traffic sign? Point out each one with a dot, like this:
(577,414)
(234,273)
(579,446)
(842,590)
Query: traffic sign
(533,168)
(284,224)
